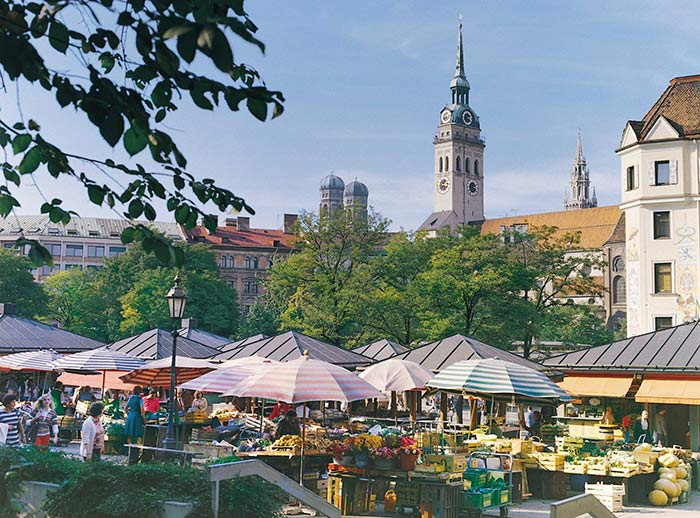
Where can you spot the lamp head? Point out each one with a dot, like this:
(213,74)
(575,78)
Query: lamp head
(176,299)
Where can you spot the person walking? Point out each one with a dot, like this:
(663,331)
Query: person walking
(660,428)
(641,427)
(92,440)
(135,417)
(46,421)
(11,417)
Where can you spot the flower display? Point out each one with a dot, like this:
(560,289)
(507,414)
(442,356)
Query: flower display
(385,453)
(338,449)
(408,446)
(364,443)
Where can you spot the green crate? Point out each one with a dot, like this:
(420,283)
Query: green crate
(407,494)
(476,499)
(476,478)
(504,495)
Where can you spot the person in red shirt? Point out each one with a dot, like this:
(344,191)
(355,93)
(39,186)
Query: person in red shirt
(151,403)
(280,409)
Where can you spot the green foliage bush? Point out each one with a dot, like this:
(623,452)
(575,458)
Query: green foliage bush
(104,490)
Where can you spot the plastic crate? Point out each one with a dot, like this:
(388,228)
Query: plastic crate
(407,494)
(475,478)
(476,499)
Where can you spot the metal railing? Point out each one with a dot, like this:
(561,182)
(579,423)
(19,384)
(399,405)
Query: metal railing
(246,468)
(579,505)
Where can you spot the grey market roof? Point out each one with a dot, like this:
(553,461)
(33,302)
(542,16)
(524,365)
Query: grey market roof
(238,343)
(291,345)
(19,334)
(437,355)
(676,349)
(204,337)
(158,343)
(380,350)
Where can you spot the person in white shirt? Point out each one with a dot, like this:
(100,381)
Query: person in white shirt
(92,440)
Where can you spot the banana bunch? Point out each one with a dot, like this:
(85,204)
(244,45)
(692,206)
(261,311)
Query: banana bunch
(289,440)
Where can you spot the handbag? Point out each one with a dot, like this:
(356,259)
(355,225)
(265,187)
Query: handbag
(30,432)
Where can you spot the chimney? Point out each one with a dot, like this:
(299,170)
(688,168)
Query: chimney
(8,309)
(289,221)
(190,323)
(243,223)
(231,222)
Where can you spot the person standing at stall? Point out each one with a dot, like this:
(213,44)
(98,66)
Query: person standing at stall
(93,435)
(135,414)
(46,421)
(660,428)
(288,426)
(10,417)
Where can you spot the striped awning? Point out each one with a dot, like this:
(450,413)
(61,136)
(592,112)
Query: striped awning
(497,377)
(228,375)
(670,392)
(29,361)
(102,359)
(156,373)
(601,386)
(304,380)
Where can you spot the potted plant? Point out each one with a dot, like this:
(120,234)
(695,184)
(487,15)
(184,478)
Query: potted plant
(384,457)
(408,454)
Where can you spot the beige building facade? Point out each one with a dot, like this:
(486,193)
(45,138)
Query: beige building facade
(660,180)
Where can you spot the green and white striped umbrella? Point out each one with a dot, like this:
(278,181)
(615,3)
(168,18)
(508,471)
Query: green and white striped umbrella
(497,377)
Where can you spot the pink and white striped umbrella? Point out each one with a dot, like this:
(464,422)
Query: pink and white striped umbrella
(305,379)
(228,375)
(156,373)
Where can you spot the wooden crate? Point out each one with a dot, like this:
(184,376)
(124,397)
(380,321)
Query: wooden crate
(610,495)
(598,469)
(646,457)
(625,471)
(551,461)
(577,469)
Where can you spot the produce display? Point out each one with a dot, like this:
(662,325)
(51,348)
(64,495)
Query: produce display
(673,480)
(288,441)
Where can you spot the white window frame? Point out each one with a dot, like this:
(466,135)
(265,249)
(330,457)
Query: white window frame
(670,225)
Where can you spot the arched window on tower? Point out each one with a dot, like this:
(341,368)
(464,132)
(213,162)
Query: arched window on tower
(476,167)
(230,262)
(256,263)
(441,164)
(466,165)
(619,289)
(447,164)
(222,261)
(618,264)
(457,165)
(247,263)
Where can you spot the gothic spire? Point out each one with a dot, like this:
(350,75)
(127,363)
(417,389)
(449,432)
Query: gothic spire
(579,149)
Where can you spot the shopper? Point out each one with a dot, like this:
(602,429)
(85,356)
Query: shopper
(199,402)
(641,427)
(58,398)
(151,404)
(135,413)
(93,435)
(660,428)
(46,421)
(11,417)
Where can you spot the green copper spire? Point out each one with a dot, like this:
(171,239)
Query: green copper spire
(460,85)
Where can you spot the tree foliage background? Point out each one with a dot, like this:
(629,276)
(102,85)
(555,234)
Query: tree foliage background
(125,66)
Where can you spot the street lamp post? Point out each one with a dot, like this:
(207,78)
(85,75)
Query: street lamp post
(176,305)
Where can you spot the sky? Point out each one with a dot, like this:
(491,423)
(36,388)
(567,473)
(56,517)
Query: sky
(365,81)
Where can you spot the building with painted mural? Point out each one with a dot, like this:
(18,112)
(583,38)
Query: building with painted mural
(660,179)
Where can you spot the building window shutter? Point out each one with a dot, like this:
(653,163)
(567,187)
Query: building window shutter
(673,172)
(636,176)
(652,178)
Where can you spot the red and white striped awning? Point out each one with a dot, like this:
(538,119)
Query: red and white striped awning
(156,373)
(228,375)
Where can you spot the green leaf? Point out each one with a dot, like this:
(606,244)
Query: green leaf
(187,46)
(39,255)
(162,93)
(112,127)
(257,107)
(128,235)
(197,94)
(107,61)
(58,36)
(221,52)
(125,18)
(135,208)
(162,251)
(96,194)
(182,213)
(39,25)
(135,141)
(160,115)
(7,202)
(21,142)
(31,161)
(172,204)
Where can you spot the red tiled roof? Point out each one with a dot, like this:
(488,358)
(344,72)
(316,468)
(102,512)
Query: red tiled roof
(680,104)
(232,237)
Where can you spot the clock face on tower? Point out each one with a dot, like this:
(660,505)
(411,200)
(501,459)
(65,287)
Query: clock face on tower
(473,188)
(467,118)
(443,184)
(445,116)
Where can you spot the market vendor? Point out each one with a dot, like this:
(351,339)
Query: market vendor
(534,428)
(608,417)
(288,426)
(58,399)
(280,409)
(151,404)
(199,402)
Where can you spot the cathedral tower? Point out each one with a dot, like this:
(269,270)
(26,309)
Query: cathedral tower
(331,190)
(579,195)
(459,157)
(355,199)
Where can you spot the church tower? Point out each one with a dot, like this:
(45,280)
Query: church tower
(331,190)
(459,158)
(580,196)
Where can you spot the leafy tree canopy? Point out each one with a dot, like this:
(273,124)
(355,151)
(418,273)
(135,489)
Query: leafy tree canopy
(126,66)
(127,295)
(17,284)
